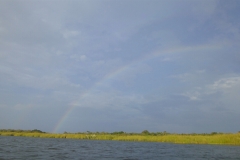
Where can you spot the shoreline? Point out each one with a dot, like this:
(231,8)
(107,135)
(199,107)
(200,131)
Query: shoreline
(215,139)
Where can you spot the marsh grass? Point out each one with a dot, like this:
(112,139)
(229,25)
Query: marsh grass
(223,138)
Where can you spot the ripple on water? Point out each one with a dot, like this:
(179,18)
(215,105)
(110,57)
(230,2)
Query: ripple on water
(37,148)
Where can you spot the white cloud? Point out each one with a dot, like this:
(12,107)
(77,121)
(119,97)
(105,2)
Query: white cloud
(193,96)
(226,83)
(222,94)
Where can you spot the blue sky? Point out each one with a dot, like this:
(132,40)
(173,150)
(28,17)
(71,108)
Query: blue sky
(120,65)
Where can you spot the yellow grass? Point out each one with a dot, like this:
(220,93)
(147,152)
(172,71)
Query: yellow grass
(227,138)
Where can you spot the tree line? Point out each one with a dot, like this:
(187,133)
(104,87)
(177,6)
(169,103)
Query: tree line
(20,130)
(144,132)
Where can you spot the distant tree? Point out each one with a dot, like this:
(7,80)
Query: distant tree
(36,130)
(165,133)
(145,132)
(154,134)
(213,133)
(121,132)
(159,133)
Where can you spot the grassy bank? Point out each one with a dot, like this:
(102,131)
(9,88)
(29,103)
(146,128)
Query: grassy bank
(221,138)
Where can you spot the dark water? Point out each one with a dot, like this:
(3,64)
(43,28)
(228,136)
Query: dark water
(44,148)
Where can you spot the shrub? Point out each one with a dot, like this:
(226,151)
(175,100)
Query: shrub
(146,132)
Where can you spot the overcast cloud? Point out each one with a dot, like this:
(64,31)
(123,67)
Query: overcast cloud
(120,65)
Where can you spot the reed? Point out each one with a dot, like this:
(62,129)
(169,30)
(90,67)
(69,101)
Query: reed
(223,138)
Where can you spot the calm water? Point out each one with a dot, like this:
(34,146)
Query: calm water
(41,148)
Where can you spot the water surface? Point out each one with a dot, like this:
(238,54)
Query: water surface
(25,148)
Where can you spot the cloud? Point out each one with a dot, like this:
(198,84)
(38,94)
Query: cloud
(193,96)
(160,65)
(226,83)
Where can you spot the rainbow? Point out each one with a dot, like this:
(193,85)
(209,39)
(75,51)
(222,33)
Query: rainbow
(124,68)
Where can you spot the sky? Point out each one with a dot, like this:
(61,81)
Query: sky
(122,65)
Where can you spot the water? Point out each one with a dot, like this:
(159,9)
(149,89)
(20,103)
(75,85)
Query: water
(25,148)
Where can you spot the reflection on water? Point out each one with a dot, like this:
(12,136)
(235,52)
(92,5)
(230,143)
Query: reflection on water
(46,148)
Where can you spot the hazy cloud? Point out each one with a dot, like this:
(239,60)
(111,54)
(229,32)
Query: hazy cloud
(120,65)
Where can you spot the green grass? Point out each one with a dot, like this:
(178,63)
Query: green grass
(223,138)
